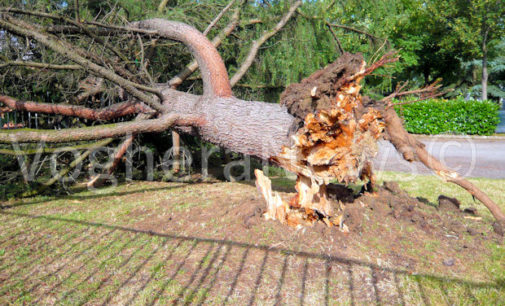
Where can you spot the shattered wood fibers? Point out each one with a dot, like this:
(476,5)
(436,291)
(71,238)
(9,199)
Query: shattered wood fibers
(335,142)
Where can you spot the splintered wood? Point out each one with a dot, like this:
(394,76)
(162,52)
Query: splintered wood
(334,143)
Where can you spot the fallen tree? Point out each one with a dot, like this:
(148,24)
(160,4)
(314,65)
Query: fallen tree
(322,130)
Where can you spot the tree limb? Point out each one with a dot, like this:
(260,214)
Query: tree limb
(413,150)
(40,65)
(65,49)
(191,67)
(107,113)
(214,74)
(98,132)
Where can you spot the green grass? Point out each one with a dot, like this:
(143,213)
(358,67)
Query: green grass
(84,248)
(430,187)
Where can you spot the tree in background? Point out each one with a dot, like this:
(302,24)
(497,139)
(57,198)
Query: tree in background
(472,29)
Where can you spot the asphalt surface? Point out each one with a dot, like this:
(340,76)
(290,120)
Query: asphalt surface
(470,157)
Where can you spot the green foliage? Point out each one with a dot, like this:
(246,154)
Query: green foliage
(456,116)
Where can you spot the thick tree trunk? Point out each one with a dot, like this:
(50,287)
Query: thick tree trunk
(484,71)
(254,128)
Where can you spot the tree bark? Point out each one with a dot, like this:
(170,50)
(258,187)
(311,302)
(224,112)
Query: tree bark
(484,70)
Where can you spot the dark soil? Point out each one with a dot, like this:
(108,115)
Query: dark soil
(389,225)
(298,97)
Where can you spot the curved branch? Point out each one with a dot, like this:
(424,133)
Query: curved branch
(98,132)
(413,150)
(214,74)
(191,67)
(107,113)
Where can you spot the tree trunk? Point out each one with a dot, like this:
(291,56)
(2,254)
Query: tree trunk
(484,71)
(322,130)
(484,64)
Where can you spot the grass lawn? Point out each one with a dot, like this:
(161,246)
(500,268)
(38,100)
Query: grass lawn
(159,243)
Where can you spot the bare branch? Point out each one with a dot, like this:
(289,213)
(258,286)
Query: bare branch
(214,74)
(40,65)
(98,132)
(191,67)
(257,43)
(16,26)
(337,41)
(429,91)
(218,17)
(107,113)
(412,150)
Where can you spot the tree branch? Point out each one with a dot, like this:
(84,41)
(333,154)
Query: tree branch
(65,49)
(214,74)
(40,65)
(218,17)
(107,113)
(191,67)
(84,29)
(98,132)
(413,150)
(32,151)
(257,43)
(345,27)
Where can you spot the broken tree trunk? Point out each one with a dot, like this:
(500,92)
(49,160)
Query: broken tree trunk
(322,130)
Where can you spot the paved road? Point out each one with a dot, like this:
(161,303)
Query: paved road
(470,157)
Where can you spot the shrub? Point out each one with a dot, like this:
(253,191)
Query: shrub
(456,116)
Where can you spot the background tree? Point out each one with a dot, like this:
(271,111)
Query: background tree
(472,28)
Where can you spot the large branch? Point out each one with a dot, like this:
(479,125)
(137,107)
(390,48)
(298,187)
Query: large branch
(413,150)
(214,74)
(173,83)
(191,67)
(107,113)
(100,131)
(259,42)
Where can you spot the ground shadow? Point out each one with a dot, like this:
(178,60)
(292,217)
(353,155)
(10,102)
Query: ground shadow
(204,276)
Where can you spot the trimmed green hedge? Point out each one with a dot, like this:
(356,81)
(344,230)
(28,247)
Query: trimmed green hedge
(456,116)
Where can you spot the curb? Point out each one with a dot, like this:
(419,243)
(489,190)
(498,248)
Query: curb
(472,137)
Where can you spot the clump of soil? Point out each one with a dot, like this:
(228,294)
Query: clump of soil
(318,91)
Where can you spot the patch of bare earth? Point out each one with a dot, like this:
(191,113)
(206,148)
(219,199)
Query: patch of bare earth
(391,235)
(209,244)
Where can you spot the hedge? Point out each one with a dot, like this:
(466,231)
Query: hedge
(456,116)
